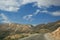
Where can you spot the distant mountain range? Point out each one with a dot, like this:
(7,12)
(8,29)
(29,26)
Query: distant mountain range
(13,28)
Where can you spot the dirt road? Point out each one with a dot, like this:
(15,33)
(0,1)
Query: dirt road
(35,37)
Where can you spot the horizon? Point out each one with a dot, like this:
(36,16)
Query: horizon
(31,24)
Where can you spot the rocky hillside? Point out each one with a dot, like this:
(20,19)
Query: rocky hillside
(55,35)
(11,29)
(15,27)
(20,30)
(49,26)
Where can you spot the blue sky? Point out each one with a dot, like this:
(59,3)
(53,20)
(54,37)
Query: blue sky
(29,11)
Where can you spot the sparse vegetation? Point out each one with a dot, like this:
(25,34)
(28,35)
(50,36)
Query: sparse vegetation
(16,31)
(15,36)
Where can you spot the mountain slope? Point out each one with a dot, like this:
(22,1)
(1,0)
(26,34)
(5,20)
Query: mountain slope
(12,29)
(50,26)
(55,35)
(9,30)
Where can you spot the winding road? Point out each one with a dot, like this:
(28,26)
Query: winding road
(35,37)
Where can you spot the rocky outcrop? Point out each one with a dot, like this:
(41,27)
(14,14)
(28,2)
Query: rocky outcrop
(55,35)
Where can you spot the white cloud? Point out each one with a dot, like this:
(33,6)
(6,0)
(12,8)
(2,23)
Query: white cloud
(9,5)
(43,2)
(4,18)
(13,5)
(37,11)
(57,13)
(28,17)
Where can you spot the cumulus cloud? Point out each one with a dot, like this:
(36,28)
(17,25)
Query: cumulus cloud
(4,18)
(14,5)
(43,2)
(9,5)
